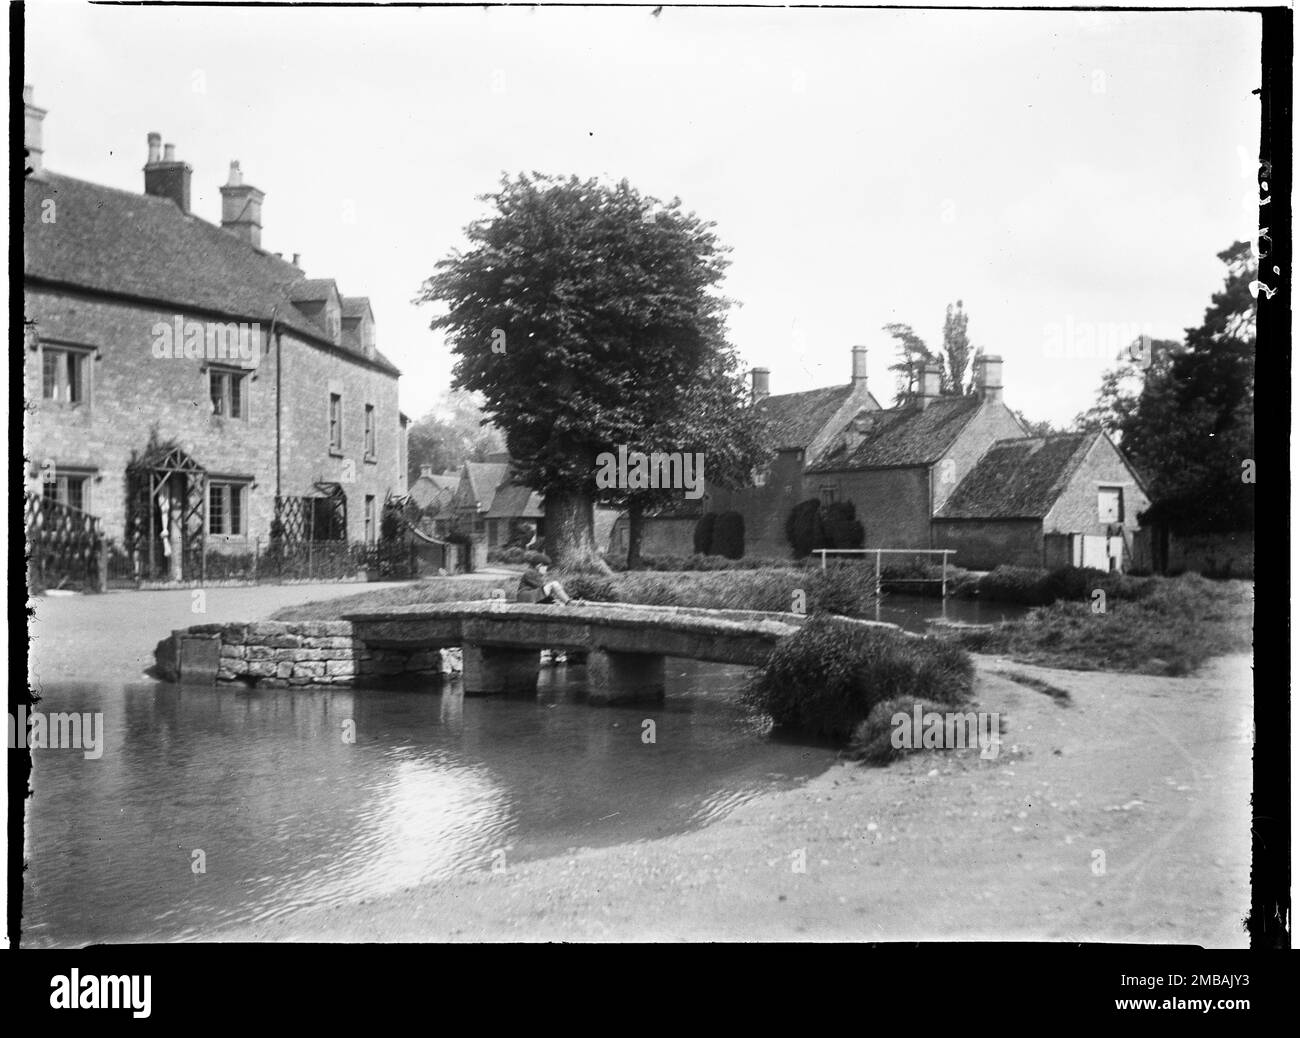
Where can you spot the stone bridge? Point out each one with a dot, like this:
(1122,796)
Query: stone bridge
(625,645)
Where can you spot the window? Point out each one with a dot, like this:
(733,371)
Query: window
(1110,504)
(336,421)
(227,508)
(71,489)
(828,494)
(227,390)
(370,518)
(370,431)
(64,375)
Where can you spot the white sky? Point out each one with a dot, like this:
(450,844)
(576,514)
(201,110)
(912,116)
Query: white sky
(1062,173)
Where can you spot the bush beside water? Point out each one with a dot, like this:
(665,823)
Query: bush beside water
(826,679)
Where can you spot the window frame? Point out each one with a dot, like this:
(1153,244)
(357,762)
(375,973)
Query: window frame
(228,485)
(67,351)
(335,424)
(370,448)
(85,479)
(368,515)
(231,377)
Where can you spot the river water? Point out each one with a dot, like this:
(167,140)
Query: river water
(212,808)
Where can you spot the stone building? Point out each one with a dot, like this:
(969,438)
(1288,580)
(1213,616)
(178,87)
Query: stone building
(192,390)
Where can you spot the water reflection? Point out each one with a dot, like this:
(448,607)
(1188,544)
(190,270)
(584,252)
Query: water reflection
(286,814)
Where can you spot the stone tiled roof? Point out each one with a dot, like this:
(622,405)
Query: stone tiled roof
(512,502)
(1018,479)
(797,418)
(903,436)
(428,491)
(484,478)
(140,246)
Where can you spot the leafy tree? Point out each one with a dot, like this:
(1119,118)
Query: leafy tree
(729,536)
(581,312)
(1186,419)
(956,375)
(1036,427)
(452,433)
(804,529)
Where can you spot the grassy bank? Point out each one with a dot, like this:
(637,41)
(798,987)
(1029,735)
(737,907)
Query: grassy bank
(1174,626)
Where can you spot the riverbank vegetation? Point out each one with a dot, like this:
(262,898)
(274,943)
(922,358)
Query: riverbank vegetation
(826,679)
(1172,627)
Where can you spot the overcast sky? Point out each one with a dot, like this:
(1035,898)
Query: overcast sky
(1065,174)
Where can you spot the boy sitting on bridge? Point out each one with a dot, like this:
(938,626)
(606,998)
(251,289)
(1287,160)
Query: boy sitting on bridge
(534,586)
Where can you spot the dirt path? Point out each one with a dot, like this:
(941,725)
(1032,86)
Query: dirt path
(1151,773)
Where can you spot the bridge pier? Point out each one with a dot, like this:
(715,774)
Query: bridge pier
(490,669)
(624,677)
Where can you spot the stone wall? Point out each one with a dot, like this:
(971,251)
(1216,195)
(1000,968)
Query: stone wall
(283,655)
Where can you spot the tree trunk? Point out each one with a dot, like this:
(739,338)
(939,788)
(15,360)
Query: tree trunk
(635,527)
(570,538)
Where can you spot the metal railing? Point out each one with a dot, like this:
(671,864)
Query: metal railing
(942,580)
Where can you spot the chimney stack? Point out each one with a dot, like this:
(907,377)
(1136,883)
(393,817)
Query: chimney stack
(33,117)
(988,377)
(296,257)
(155,149)
(859,367)
(241,207)
(929,390)
(168,178)
(759,384)
(426,471)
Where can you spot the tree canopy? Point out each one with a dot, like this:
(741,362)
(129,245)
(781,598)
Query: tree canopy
(450,434)
(1187,418)
(584,314)
(956,373)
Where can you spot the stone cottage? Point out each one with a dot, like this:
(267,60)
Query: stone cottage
(188,389)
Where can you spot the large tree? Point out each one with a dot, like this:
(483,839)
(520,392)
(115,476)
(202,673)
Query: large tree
(581,312)
(1185,413)
(452,433)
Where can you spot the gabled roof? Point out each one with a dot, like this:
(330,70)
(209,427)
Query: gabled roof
(313,290)
(141,246)
(904,436)
(1018,479)
(797,418)
(356,306)
(484,478)
(512,502)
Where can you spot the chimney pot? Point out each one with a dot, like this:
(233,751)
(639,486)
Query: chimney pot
(241,208)
(988,377)
(760,381)
(33,117)
(168,178)
(930,382)
(296,257)
(859,367)
(426,471)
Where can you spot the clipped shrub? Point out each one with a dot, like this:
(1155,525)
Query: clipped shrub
(826,679)
(703,540)
(511,556)
(729,536)
(842,527)
(803,528)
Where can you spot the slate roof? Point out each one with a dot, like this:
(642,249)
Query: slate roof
(905,436)
(484,478)
(797,418)
(117,242)
(512,502)
(1018,479)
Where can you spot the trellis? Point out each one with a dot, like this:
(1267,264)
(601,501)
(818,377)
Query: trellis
(322,516)
(64,543)
(165,473)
